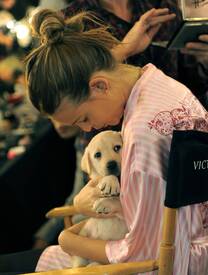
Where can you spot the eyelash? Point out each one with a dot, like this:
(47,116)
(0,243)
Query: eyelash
(84,120)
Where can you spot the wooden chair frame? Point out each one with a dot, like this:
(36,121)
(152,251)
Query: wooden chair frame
(188,142)
(164,264)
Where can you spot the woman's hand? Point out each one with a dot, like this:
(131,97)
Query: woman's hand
(75,229)
(85,199)
(141,34)
(197,47)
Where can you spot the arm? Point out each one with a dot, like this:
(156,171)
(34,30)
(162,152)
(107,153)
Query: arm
(90,248)
(141,34)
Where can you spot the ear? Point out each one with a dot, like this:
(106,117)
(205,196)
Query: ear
(119,132)
(85,162)
(99,84)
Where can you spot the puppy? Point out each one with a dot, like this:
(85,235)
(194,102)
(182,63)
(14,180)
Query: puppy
(102,159)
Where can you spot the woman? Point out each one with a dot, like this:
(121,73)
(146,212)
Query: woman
(122,16)
(74,79)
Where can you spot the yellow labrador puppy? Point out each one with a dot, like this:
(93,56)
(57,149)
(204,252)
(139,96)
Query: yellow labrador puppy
(102,159)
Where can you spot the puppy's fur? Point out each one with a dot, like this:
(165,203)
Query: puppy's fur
(102,159)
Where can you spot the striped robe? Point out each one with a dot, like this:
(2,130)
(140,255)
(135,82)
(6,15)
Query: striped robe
(157,105)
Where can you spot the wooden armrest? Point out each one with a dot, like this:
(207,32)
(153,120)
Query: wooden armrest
(111,269)
(63,211)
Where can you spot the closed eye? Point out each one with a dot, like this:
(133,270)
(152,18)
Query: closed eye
(83,120)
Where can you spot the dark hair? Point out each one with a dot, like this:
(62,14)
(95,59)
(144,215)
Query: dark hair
(66,58)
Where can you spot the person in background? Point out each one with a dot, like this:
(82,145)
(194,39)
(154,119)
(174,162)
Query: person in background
(86,81)
(15,36)
(122,17)
(53,4)
(18,8)
(8,66)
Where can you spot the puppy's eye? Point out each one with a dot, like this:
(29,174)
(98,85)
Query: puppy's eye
(117,148)
(97,155)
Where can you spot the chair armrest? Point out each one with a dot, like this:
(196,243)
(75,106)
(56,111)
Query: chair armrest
(63,211)
(111,269)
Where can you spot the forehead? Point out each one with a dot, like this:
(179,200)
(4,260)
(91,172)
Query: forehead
(105,140)
(67,112)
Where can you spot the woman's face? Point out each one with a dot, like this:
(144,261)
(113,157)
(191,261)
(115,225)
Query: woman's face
(100,110)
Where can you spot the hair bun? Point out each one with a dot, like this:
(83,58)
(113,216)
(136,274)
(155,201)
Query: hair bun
(48,26)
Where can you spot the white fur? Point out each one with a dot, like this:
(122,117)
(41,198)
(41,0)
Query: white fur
(113,228)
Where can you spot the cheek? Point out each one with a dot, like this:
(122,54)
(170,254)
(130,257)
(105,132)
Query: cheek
(118,158)
(98,167)
(116,114)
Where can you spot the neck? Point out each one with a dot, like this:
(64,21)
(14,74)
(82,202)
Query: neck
(129,75)
(120,8)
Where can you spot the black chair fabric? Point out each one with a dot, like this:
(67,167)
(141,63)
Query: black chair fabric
(187,180)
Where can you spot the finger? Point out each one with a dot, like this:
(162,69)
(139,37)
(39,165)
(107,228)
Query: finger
(161,19)
(191,52)
(145,19)
(152,31)
(155,13)
(197,46)
(204,37)
(97,192)
(147,14)
(161,11)
(93,183)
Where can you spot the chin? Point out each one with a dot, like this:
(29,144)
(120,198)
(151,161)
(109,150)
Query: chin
(115,122)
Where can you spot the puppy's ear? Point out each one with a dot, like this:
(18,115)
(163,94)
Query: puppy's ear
(85,162)
(121,136)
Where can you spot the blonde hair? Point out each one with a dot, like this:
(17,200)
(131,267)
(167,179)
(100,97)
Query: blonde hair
(61,66)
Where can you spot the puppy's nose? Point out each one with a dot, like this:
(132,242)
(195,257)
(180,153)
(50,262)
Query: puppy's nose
(112,167)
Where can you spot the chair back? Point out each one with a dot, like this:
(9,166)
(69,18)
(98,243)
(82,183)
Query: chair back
(187,183)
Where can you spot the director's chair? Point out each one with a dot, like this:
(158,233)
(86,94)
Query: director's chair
(187,183)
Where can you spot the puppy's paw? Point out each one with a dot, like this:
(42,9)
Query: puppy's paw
(109,186)
(100,207)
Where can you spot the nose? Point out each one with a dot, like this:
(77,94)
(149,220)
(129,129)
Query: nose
(86,127)
(113,168)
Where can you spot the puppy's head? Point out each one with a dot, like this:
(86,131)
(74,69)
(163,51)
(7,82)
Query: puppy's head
(102,156)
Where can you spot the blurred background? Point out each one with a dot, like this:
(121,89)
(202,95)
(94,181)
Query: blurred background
(36,165)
